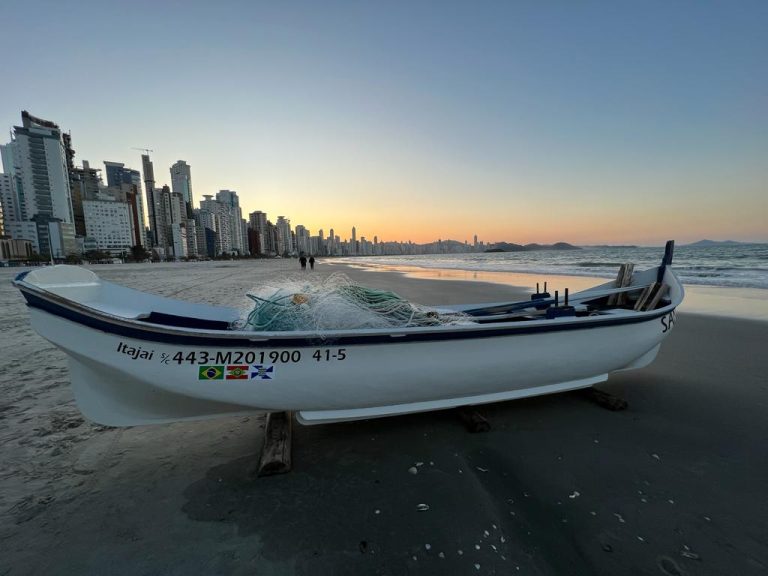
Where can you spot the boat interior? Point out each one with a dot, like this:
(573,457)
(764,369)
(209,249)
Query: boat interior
(632,292)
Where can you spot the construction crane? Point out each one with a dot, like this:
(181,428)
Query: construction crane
(147,150)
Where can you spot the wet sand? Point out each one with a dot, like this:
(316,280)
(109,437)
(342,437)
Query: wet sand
(675,484)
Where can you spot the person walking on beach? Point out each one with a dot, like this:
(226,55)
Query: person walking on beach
(303,262)
(312,262)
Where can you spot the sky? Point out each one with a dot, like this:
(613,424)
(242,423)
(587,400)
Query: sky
(586,122)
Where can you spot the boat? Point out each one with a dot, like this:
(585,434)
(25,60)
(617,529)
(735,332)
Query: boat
(137,358)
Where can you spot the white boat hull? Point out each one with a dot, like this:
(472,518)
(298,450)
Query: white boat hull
(331,383)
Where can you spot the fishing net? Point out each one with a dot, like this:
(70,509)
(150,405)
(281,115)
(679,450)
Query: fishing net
(335,303)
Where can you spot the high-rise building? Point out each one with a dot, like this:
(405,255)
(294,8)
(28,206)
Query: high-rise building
(108,222)
(208,221)
(321,249)
(169,210)
(37,160)
(353,248)
(176,216)
(193,250)
(172,224)
(11,195)
(181,183)
(126,193)
(6,187)
(270,238)
(284,236)
(155,210)
(237,230)
(7,198)
(332,243)
(13,225)
(84,183)
(119,175)
(257,238)
(302,240)
(258,220)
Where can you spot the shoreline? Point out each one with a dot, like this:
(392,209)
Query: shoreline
(719,301)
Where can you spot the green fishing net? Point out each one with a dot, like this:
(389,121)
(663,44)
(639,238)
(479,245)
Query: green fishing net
(335,303)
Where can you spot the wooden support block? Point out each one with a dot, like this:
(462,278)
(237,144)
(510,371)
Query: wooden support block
(606,400)
(473,420)
(276,454)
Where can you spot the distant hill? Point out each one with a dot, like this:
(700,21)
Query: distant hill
(715,243)
(505,247)
(509,247)
(611,246)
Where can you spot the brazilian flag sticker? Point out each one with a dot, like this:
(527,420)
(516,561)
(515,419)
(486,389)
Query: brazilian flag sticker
(211,373)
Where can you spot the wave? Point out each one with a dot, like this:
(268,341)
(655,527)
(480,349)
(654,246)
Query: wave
(598,264)
(723,268)
(736,267)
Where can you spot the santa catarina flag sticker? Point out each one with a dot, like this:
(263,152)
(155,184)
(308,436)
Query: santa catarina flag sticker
(211,373)
(237,372)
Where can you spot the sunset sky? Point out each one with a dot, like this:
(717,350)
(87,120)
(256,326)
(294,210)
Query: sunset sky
(588,122)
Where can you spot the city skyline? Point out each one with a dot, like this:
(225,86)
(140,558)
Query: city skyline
(56,209)
(516,122)
(87,182)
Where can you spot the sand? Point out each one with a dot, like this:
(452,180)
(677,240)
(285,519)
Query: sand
(675,484)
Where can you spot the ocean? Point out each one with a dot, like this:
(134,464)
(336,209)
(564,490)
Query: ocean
(733,265)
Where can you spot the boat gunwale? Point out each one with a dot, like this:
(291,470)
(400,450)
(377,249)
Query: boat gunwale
(82,314)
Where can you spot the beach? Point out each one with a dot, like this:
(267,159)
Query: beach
(674,484)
